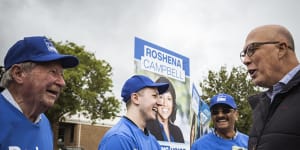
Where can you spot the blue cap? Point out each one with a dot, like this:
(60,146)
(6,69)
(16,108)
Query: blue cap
(222,99)
(138,82)
(37,49)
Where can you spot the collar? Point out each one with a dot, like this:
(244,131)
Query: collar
(290,75)
(146,132)
(276,88)
(234,137)
(7,95)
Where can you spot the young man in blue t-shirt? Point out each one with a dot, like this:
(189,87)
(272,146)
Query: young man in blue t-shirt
(141,96)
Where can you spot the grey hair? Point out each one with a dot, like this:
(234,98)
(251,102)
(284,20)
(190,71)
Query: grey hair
(7,78)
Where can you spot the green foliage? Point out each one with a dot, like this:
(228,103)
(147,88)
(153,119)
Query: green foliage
(237,85)
(88,87)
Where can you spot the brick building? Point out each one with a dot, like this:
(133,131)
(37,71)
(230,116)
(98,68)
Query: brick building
(77,133)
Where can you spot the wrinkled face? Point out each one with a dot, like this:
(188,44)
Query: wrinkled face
(149,101)
(266,54)
(165,110)
(262,65)
(223,117)
(43,84)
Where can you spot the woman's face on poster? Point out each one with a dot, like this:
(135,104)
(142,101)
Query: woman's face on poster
(165,110)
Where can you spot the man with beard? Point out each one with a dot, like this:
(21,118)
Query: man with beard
(225,135)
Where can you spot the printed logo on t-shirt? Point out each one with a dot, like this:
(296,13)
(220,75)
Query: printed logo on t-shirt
(18,148)
(238,148)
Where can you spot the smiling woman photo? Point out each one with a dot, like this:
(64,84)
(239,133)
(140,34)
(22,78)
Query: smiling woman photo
(163,128)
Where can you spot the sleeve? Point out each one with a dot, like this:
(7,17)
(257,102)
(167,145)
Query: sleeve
(194,146)
(6,124)
(4,133)
(206,142)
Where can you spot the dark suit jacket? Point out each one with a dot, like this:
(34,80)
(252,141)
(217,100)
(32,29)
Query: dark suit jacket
(154,128)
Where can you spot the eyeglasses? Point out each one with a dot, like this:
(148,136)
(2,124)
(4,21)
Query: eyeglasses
(224,111)
(251,48)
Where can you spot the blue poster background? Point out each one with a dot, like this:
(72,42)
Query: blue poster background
(155,61)
(200,116)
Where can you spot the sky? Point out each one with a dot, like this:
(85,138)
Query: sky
(211,33)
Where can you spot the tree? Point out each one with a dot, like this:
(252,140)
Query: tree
(88,88)
(236,84)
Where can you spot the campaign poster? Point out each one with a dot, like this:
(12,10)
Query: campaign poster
(200,116)
(164,65)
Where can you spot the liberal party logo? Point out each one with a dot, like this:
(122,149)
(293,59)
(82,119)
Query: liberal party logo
(50,46)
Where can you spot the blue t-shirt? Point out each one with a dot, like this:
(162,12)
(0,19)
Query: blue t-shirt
(17,132)
(211,141)
(126,135)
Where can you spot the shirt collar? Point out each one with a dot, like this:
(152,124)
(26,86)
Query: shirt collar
(146,132)
(234,137)
(276,88)
(290,75)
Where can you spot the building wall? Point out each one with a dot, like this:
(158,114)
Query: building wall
(84,136)
(91,136)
